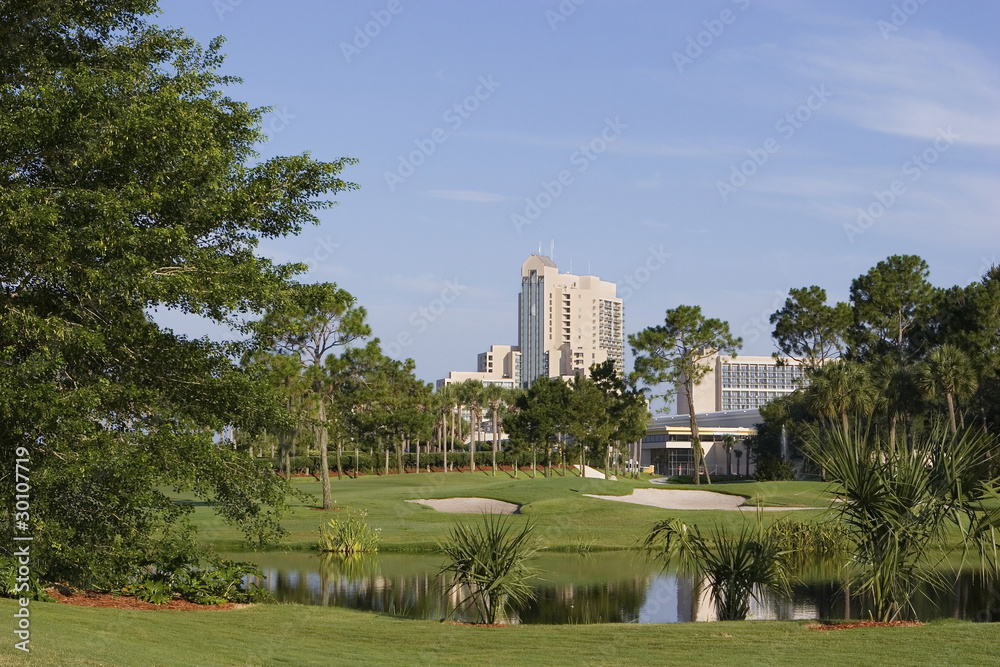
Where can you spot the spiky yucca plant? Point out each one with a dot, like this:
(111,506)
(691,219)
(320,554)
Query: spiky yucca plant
(488,561)
(898,506)
(737,569)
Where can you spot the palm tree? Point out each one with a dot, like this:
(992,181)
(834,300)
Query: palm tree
(447,406)
(472,396)
(739,455)
(728,442)
(896,386)
(494,395)
(949,371)
(841,388)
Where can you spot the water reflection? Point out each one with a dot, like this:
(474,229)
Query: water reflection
(597,588)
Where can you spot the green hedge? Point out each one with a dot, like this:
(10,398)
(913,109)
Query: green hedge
(368,463)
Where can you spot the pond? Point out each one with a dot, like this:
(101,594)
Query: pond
(602,587)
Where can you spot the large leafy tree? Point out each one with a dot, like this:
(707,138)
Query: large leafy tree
(809,330)
(539,416)
(129,183)
(588,419)
(679,352)
(892,306)
(315,320)
(627,408)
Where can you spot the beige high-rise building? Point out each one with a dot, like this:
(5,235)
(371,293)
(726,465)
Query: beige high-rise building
(743,383)
(566,323)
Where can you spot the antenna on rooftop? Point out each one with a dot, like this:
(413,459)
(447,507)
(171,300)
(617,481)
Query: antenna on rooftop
(539,247)
(552,250)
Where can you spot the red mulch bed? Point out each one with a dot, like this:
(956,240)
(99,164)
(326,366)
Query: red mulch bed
(94,599)
(862,624)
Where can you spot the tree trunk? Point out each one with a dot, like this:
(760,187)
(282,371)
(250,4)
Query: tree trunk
(951,413)
(495,441)
(699,453)
(908,422)
(892,430)
(400,443)
(356,471)
(472,441)
(387,460)
(607,462)
(418,457)
(532,463)
(340,467)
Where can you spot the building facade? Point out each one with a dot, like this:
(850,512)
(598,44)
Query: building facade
(743,383)
(667,443)
(500,365)
(566,323)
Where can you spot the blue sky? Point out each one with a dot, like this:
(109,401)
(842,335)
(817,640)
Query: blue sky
(711,153)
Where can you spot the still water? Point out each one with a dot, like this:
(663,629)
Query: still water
(608,587)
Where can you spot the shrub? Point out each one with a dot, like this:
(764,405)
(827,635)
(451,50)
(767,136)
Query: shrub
(773,469)
(10,587)
(220,582)
(348,536)
(824,538)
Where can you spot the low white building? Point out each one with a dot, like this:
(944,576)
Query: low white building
(667,443)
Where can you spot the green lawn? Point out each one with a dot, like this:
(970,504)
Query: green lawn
(300,635)
(565,518)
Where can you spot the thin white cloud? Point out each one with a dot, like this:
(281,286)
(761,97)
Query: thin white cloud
(621,146)
(474,196)
(651,184)
(912,84)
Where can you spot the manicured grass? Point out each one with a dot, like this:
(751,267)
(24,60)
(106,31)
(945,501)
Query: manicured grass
(565,518)
(300,635)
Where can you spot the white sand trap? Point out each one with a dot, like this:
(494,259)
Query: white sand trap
(679,499)
(593,473)
(469,505)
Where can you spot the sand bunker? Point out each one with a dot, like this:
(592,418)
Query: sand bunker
(469,505)
(678,499)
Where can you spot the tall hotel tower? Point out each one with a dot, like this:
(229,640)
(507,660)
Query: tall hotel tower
(566,323)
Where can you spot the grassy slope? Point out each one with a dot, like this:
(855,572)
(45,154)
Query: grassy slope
(564,517)
(299,635)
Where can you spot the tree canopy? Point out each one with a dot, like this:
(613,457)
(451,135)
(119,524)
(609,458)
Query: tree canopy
(130,183)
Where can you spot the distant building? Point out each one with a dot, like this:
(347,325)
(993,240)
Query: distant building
(500,365)
(667,443)
(743,383)
(566,323)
